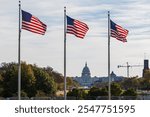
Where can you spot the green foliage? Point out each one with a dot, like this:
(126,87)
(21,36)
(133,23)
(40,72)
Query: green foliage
(44,82)
(116,89)
(10,81)
(35,81)
(60,86)
(28,80)
(23,94)
(131,83)
(9,74)
(95,92)
(40,94)
(77,93)
(59,79)
(145,83)
(71,84)
(129,92)
(103,92)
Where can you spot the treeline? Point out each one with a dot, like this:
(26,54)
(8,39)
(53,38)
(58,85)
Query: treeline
(129,88)
(45,82)
(102,93)
(35,81)
(135,83)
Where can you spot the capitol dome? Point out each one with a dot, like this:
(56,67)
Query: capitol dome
(86,71)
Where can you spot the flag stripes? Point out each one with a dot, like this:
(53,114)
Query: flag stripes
(118,32)
(77,28)
(32,23)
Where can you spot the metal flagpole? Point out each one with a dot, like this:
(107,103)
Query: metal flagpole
(65,97)
(19,63)
(109,77)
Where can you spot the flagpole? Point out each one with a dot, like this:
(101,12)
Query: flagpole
(65,97)
(109,77)
(19,63)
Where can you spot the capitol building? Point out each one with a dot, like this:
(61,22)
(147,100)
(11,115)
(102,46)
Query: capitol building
(87,81)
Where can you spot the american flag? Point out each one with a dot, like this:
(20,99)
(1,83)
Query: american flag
(32,23)
(118,32)
(77,28)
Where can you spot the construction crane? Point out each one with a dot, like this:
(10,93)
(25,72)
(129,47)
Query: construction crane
(128,66)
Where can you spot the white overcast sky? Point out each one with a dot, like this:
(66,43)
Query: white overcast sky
(47,50)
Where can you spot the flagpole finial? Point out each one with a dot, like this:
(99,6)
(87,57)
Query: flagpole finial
(108,12)
(19,3)
(65,9)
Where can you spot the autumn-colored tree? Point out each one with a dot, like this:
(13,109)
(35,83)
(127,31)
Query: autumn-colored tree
(116,89)
(77,94)
(129,92)
(94,92)
(145,83)
(33,80)
(28,80)
(44,82)
(130,83)
(10,75)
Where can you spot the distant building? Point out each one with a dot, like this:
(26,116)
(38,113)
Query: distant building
(87,81)
(146,67)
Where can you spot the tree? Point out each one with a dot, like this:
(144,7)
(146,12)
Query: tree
(131,83)
(28,80)
(145,83)
(116,89)
(95,92)
(10,81)
(103,92)
(9,73)
(77,93)
(71,83)
(1,85)
(34,80)
(44,82)
(58,78)
(129,92)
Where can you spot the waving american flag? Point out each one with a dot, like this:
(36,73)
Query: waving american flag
(77,28)
(32,23)
(118,32)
